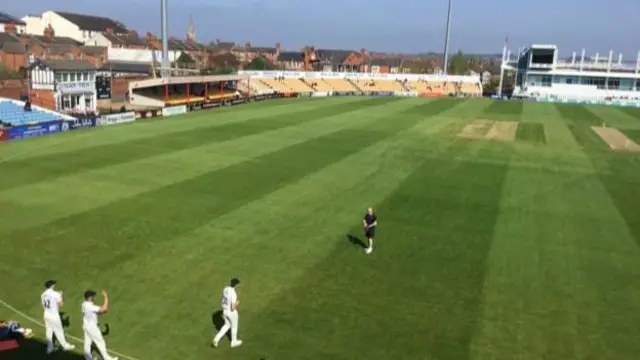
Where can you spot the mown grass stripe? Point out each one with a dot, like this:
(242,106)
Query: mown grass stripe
(578,115)
(632,134)
(188,204)
(49,167)
(631,111)
(284,234)
(437,303)
(529,131)
(503,110)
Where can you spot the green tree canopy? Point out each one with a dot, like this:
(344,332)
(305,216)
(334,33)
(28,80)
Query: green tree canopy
(458,64)
(260,63)
(8,74)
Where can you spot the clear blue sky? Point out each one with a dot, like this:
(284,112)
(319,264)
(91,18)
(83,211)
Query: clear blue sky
(384,25)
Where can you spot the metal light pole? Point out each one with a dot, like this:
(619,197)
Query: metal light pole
(165,40)
(446,38)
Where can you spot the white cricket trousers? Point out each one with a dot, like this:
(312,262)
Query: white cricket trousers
(53,326)
(93,335)
(230,322)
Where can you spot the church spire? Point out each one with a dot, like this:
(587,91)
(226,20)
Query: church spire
(191,31)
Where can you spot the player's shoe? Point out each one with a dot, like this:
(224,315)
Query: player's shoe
(69,347)
(368,250)
(236,343)
(214,344)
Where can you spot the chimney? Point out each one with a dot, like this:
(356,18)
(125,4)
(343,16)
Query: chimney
(150,36)
(24,38)
(133,33)
(278,48)
(247,45)
(109,31)
(363,53)
(49,33)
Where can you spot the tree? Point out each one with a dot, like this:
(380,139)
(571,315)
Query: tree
(224,70)
(6,74)
(259,63)
(458,64)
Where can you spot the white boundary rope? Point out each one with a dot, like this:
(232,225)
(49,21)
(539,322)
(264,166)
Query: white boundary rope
(4,303)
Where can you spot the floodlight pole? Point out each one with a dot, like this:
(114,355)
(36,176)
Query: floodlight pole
(446,38)
(164,24)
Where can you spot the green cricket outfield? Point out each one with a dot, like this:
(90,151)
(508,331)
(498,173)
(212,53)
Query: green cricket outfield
(507,230)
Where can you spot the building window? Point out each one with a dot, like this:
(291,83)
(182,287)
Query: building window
(613,83)
(66,102)
(58,77)
(65,77)
(545,80)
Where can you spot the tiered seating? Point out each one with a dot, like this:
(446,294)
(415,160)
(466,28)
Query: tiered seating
(179,99)
(257,87)
(421,86)
(340,85)
(380,85)
(12,113)
(319,85)
(440,87)
(472,89)
(287,85)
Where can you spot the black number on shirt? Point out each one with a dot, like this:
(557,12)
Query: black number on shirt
(46,303)
(225,302)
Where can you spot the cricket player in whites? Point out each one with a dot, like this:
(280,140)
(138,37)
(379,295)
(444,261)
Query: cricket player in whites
(51,303)
(230,314)
(92,333)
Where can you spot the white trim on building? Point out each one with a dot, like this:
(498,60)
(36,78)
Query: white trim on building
(74,90)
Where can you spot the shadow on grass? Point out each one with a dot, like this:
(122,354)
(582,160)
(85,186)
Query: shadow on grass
(218,322)
(356,241)
(35,349)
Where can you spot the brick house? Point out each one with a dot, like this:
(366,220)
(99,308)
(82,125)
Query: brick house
(13,54)
(385,65)
(11,25)
(63,85)
(247,53)
(221,47)
(291,60)
(337,60)
(81,28)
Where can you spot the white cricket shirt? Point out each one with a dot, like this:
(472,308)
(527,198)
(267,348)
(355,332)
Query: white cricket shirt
(229,297)
(50,300)
(90,313)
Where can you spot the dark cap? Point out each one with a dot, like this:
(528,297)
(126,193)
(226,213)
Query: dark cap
(49,283)
(234,282)
(88,294)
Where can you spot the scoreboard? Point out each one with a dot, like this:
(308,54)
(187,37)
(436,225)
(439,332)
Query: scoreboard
(103,87)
